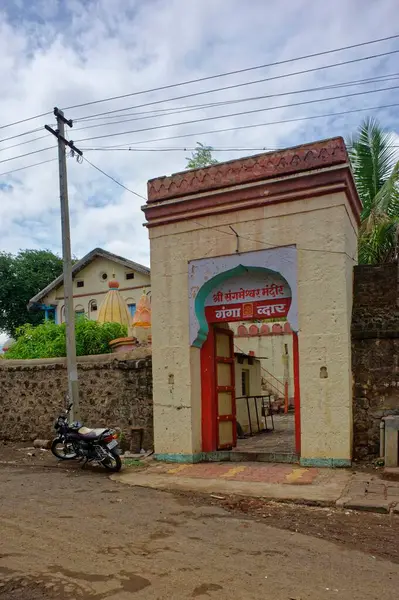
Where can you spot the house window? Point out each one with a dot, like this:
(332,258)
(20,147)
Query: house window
(93,306)
(80,283)
(104,276)
(129,275)
(245,382)
(132,309)
(79,311)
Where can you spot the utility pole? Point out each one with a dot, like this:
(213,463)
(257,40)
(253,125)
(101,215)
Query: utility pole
(59,133)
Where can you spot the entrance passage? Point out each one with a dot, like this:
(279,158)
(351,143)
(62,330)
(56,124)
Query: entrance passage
(245,410)
(249,368)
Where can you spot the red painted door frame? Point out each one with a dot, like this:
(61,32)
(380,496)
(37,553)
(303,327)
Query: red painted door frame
(209,389)
(209,422)
(208,382)
(231,389)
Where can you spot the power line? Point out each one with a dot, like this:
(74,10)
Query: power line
(280,122)
(393,76)
(208,78)
(12,137)
(215,228)
(177,109)
(23,143)
(238,114)
(113,179)
(28,167)
(27,154)
(243,237)
(186,149)
(238,85)
(25,120)
(366,81)
(236,72)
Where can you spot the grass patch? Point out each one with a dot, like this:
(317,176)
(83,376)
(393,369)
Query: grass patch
(132,462)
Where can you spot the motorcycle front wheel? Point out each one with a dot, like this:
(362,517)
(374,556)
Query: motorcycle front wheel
(112,462)
(63,450)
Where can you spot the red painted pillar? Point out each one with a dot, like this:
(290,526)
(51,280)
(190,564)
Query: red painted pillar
(297,393)
(286,397)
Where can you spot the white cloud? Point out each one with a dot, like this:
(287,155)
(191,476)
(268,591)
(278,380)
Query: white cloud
(66,53)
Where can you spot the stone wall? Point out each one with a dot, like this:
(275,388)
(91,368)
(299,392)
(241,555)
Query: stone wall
(114,391)
(375,354)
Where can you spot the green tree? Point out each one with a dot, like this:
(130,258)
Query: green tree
(201,157)
(22,277)
(375,165)
(48,340)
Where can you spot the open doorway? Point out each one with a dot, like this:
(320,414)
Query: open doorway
(250,368)
(265,390)
(246,409)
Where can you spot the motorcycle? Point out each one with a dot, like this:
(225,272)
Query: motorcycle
(89,445)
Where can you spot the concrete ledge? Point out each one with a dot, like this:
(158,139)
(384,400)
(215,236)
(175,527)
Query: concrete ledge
(326,462)
(391,473)
(179,458)
(366,504)
(224,456)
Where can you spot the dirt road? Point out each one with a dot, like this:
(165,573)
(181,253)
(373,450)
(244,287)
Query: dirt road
(71,534)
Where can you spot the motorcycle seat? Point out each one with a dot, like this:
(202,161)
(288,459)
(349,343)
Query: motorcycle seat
(90,434)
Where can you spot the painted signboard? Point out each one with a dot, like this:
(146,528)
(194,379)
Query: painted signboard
(260,295)
(250,286)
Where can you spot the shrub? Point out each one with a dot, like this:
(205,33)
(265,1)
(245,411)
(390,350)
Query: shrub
(49,341)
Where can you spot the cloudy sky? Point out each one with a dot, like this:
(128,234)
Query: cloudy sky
(72,52)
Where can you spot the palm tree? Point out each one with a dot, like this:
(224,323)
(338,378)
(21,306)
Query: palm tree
(375,166)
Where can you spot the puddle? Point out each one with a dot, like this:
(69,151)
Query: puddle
(42,587)
(160,535)
(79,575)
(205,588)
(133,583)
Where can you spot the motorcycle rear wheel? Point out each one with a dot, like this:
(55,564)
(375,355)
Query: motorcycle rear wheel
(62,450)
(112,462)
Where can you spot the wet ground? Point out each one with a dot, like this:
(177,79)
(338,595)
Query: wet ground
(73,534)
(281,439)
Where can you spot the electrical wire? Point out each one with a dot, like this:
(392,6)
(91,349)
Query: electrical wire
(27,154)
(238,85)
(208,78)
(186,149)
(386,77)
(41,137)
(243,237)
(216,228)
(250,99)
(238,114)
(213,131)
(25,120)
(195,107)
(159,112)
(12,137)
(28,167)
(113,179)
(236,72)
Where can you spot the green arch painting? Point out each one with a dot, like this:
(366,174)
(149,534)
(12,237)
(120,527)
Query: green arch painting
(205,290)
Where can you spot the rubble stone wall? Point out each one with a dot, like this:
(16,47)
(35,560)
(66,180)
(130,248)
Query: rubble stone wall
(375,354)
(114,392)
